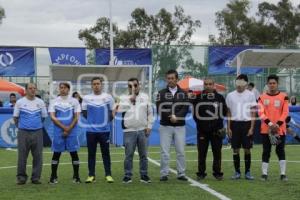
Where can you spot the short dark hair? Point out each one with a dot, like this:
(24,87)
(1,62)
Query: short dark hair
(133,79)
(27,84)
(97,78)
(242,77)
(274,77)
(65,84)
(172,71)
(251,84)
(12,95)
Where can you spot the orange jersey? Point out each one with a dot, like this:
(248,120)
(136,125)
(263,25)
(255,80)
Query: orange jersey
(275,109)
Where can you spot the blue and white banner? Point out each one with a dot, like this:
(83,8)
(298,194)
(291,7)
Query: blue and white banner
(17,61)
(220,58)
(124,56)
(68,56)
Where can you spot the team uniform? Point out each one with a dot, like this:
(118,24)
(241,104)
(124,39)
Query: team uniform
(30,136)
(98,109)
(240,105)
(65,110)
(273,109)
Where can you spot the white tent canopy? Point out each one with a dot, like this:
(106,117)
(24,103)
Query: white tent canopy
(267,58)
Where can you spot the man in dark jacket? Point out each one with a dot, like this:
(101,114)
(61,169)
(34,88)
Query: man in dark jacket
(172,106)
(209,111)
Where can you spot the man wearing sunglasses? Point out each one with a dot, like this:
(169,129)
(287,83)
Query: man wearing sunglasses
(137,119)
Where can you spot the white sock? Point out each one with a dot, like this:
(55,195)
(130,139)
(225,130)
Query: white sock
(282,164)
(264,168)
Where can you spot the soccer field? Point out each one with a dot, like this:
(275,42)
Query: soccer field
(171,190)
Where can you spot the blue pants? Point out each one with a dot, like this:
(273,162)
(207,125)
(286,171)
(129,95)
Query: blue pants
(61,144)
(92,140)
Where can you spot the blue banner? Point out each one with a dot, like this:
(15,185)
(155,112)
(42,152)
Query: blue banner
(124,56)
(68,56)
(220,58)
(15,61)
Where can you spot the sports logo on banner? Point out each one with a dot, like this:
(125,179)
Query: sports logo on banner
(16,61)
(221,57)
(9,133)
(124,56)
(68,56)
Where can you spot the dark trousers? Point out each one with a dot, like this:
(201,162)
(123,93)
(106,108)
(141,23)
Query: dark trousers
(92,140)
(267,146)
(203,140)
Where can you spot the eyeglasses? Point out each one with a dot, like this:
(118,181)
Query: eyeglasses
(134,85)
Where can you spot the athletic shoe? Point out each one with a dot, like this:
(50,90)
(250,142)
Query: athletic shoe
(201,176)
(76,180)
(36,182)
(248,176)
(264,177)
(219,177)
(145,179)
(109,179)
(21,182)
(90,179)
(127,179)
(164,178)
(236,176)
(53,181)
(283,178)
(182,178)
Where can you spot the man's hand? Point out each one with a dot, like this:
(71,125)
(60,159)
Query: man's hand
(229,133)
(250,132)
(173,118)
(274,129)
(147,132)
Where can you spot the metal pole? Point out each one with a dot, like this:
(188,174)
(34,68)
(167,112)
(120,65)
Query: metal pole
(111,61)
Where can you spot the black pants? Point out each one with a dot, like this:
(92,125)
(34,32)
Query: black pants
(203,140)
(267,146)
(92,140)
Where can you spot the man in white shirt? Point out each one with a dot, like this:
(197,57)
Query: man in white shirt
(29,114)
(241,105)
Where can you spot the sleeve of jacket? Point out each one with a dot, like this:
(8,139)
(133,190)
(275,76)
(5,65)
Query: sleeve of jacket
(184,107)
(261,111)
(285,111)
(224,106)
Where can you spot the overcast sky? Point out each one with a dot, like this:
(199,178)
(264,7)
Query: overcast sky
(57,22)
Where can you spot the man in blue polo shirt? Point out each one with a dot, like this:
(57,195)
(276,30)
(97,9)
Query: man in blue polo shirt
(97,109)
(29,113)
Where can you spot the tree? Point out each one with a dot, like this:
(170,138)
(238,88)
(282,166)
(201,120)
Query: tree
(2,14)
(144,30)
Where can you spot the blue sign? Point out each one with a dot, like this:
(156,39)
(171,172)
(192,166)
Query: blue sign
(220,58)
(68,56)
(124,56)
(17,61)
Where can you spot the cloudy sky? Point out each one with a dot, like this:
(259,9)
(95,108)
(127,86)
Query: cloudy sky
(57,22)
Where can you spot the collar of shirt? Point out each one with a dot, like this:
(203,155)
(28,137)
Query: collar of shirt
(173,90)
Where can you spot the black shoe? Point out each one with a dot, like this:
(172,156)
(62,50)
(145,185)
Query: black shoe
(264,177)
(76,180)
(182,178)
(283,178)
(201,176)
(21,182)
(36,182)
(145,179)
(127,179)
(164,178)
(218,176)
(53,181)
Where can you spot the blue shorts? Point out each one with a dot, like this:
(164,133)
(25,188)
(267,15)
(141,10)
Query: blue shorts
(61,144)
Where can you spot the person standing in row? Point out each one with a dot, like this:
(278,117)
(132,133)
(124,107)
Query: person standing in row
(29,114)
(241,113)
(137,119)
(64,111)
(172,106)
(97,108)
(273,111)
(209,111)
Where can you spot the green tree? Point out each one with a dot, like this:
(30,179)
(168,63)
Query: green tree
(144,30)
(2,14)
